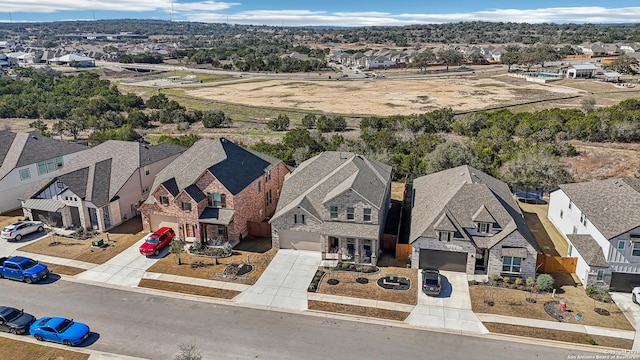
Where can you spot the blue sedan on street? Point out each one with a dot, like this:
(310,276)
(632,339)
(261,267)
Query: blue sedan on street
(60,330)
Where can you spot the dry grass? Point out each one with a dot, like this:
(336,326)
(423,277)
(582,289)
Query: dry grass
(349,287)
(259,261)
(543,230)
(20,350)
(64,270)
(397,191)
(604,160)
(188,289)
(120,238)
(566,336)
(10,217)
(512,303)
(358,310)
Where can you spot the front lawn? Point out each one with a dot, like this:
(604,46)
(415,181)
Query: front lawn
(357,310)
(21,350)
(188,289)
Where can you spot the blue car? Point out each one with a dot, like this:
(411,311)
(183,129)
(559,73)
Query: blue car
(60,330)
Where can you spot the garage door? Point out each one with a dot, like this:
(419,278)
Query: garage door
(443,260)
(624,282)
(158,221)
(299,240)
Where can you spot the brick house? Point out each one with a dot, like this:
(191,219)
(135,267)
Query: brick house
(100,188)
(213,190)
(335,203)
(465,220)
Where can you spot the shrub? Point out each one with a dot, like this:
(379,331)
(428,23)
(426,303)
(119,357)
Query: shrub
(544,282)
(513,286)
(493,277)
(529,281)
(473,282)
(506,279)
(518,281)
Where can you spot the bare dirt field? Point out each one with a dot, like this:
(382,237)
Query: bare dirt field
(381,96)
(604,161)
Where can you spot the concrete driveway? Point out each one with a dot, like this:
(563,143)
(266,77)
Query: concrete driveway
(8,247)
(631,311)
(451,310)
(285,281)
(124,269)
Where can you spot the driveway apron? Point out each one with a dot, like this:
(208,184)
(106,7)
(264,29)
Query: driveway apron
(285,281)
(631,311)
(451,310)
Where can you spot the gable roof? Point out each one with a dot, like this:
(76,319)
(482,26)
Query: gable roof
(98,174)
(464,196)
(325,176)
(234,166)
(26,148)
(612,206)
(589,249)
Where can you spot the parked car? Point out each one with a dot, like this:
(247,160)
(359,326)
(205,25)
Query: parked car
(635,294)
(431,282)
(19,229)
(60,330)
(15,321)
(22,268)
(157,241)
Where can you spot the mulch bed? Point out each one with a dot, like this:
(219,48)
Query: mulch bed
(358,310)
(403,284)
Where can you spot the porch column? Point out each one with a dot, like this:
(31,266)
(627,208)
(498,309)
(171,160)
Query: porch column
(357,251)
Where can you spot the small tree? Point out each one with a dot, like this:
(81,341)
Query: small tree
(309,121)
(281,123)
(545,282)
(176,248)
(50,224)
(188,352)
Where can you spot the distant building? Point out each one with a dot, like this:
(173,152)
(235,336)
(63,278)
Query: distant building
(581,71)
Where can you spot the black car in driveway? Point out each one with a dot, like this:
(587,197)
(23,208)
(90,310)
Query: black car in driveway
(431,282)
(15,321)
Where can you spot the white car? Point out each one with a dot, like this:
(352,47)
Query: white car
(19,229)
(635,294)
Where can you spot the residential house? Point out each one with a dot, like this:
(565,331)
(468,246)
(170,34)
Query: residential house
(335,203)
(581,71)
(73,60)
(465,220)
(100,188)
(601,222)
(25,159)
(213,191)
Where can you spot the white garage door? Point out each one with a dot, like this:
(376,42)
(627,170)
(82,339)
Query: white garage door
(299,240)
(158,221)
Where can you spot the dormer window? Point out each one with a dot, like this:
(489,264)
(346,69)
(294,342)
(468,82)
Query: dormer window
(186,206)
(484,227)
(445,236)
(164,200)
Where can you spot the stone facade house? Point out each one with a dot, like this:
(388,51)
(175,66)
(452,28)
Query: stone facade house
(27,158)
(601,222)
(465,220)
(213,190)
(100,188)
(335,203)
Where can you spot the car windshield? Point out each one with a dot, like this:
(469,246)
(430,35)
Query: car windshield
(64,325)
(14,314)
(29,264)
(152,240)
(429,281)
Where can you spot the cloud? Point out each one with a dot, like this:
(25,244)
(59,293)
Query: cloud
(40,6)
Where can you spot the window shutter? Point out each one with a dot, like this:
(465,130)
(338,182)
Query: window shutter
(223,200)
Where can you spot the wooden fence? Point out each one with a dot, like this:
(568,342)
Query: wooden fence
(388,242)
(403,251)
(552,264)
(259,229)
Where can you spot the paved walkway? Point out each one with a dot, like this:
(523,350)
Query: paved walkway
(285,281)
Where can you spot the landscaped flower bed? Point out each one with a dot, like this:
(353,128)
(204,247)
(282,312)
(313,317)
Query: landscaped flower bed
(367,269)
(315,282)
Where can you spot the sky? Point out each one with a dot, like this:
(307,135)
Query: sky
(325,12)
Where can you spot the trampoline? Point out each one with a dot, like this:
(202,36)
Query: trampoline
(528,196)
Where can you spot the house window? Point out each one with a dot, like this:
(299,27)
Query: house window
(366,214)
(444,235)
(259,186)
(575,230)
(147,170)
(570,204)
(570,250)
(620,244)
(561,213)
(267,198)
(145,190)
(583,219)
(600,275)
(511,264)
(59,184)
(298,218)
(219,200)
(186,206)
(351,213)
(483,228)
(220,230)
(333,212)
(25,174)
(164,200)
(267,176)
(59,162)
(50,165)
(636,249)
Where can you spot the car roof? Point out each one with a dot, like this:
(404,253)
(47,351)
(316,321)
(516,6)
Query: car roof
(50,321)
(162,230)
(16,224)
(6,309)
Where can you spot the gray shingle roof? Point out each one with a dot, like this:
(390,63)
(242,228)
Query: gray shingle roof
(26,148)
(612,206)
(321,178)
(354,230)
(98,174)
(589,249)
(463,193)
(235,167)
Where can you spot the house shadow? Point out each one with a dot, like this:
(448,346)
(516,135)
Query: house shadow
(254,244)
(131,226)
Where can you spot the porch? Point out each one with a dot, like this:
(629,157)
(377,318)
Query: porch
(357,250)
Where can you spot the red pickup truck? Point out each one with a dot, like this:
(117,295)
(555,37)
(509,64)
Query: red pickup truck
(157,241)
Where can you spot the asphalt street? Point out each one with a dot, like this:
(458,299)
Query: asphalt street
(152,326)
